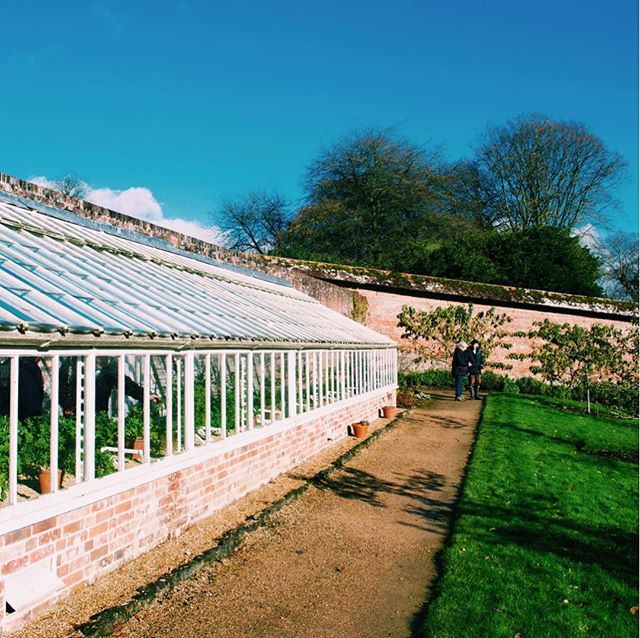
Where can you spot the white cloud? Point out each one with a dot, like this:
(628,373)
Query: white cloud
(42,181)
(140,202)
(212,234)
(136,201)
(588,236)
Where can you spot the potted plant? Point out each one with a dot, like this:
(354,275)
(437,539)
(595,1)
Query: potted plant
(360,429)
(33,446)
(388,411)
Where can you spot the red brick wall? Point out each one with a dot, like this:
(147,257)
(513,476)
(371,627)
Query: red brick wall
(96,538)
(384,308)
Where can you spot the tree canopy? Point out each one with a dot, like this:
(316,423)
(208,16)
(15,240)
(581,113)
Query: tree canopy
(373,199)
(619,256)
(254,222)
(537,172)
(508,215)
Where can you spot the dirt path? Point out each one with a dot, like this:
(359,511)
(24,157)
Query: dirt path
(353,558)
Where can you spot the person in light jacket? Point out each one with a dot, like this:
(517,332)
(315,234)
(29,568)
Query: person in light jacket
(460,368)
(476,364)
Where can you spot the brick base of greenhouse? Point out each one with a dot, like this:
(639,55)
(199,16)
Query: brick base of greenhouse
(125,520)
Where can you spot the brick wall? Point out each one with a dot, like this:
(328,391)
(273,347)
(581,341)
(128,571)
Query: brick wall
(91,540)
(384,307)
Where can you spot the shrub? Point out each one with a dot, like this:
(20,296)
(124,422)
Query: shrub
(620,398)
(406,399)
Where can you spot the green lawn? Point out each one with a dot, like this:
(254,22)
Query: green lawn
(546,540)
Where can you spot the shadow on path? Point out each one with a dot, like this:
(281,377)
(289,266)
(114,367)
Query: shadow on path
(422,491)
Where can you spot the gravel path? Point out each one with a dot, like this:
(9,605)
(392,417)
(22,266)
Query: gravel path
(353,558)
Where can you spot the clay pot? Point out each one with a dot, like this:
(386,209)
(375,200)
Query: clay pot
(45,480)
(138,444)
(359,430)
(388,412)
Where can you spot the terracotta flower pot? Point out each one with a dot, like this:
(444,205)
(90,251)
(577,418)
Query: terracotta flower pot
(388,411)
(359,430)
(45,480)
(138,444)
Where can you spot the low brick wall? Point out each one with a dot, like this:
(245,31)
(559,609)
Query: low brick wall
(85,542)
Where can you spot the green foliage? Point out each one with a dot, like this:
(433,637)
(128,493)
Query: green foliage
(577,357)
(606,397)
(433,335)
(375,200)
(542,258)
(545,542)
(4,457)
(545,258)
(107,432)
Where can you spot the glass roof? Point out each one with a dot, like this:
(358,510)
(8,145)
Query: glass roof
(63,277)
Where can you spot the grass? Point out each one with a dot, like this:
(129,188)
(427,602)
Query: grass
(545,543)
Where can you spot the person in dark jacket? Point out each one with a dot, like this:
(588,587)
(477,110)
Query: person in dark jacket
(476,364)
(106,383)
(30,389)
(460,368)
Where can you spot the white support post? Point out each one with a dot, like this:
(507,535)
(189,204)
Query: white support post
(343,375)
(121,405)
(223,395)
(14,388)
(352,373)
(291,382)
(300,382)
(307,380)
(334,396)
(53,423)
(367,370)
(90,417)
(387,366)
(168,424)
(353,364)
(273,387)
(250,391)
(189,400)
(207,397)
(372,370)
(327,372)
(236,388)
(179,404)
(283,385)
(347,374)
(395,367)
(320,379)
(262,391)
(79,417)
(314,357)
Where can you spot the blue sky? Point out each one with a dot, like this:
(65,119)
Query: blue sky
(197,101)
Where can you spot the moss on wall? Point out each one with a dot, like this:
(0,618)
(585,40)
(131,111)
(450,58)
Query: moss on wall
(360,307)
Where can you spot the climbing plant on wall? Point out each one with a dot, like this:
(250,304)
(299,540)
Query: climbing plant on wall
(432,335)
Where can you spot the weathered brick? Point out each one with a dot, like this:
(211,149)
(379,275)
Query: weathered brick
(43,526)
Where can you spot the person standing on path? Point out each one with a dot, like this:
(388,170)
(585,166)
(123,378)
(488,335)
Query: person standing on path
(460,367)
(475,359)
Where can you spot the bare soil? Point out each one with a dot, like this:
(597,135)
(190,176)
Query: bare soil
(353,557)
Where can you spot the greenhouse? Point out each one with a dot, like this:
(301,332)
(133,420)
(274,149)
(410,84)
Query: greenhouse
(125,362)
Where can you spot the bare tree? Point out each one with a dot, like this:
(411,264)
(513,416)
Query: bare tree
(253,222)
(71,186)
(619,257)
(536,172)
